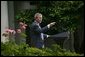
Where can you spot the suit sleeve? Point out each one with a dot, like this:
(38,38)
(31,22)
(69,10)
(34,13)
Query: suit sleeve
(40,30)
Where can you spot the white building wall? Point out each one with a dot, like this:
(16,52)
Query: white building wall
(4,19)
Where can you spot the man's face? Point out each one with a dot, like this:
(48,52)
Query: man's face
(39,19)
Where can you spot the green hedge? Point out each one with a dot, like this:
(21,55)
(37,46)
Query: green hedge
(66,14)
(12,49)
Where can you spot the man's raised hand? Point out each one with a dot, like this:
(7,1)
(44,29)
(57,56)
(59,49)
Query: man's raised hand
(51,24)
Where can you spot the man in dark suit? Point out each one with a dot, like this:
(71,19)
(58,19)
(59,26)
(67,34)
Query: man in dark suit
(37,33)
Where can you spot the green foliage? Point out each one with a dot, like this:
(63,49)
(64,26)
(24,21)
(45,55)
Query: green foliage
(26,16)
(12,49)
(64,13)
(8,48)
(58,51)
(23,35)
(36,52)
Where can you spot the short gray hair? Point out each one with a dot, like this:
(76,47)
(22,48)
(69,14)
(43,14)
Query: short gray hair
(37,14)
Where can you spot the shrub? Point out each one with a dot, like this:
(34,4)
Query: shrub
(12,49)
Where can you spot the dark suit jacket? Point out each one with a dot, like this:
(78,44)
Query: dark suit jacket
(35,34)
